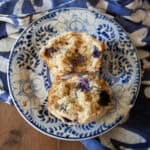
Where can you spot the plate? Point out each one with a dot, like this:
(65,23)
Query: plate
(29,79)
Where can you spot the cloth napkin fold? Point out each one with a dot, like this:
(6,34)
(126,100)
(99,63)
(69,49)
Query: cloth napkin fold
(133,15)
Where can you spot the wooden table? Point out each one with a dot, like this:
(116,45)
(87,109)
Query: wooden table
(16,134)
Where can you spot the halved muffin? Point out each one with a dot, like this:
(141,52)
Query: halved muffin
(72,52)
(79,99)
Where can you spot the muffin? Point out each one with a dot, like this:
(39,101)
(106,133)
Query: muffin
(72,52)
(79,99)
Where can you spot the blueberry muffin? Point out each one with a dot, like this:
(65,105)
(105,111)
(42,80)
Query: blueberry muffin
(72,52)
(79,99)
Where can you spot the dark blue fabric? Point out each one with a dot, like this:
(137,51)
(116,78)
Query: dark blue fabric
(128,25)
(76,3)
(8,7)
(94,2)
(3,77)
(56,3)
(147,38)
(3,96)
(92,144)
(117,9)
(3,32)
(27,7)
(38,2)
(4,54)
(125,2)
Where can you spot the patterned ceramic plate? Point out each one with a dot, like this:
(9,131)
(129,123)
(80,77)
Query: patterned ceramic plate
(29,79)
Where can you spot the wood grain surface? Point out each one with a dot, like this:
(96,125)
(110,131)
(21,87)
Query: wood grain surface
(16,134)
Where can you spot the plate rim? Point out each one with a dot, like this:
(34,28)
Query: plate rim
(11,91)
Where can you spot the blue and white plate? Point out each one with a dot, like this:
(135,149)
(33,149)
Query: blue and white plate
(29,79)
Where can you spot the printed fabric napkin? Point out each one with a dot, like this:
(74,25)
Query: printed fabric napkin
(133,15)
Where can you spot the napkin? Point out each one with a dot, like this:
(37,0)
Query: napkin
(133,15)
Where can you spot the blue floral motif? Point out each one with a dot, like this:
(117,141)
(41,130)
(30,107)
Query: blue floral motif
(117,66)
(106,32)
(120,68)
(42,35)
